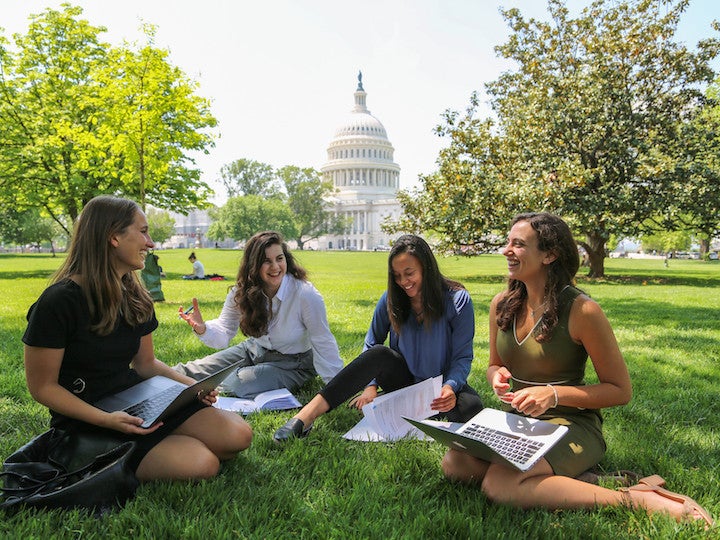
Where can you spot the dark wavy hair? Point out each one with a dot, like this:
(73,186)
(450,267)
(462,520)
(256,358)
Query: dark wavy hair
(250,296)
(554,236)
(90,259)
(433,287)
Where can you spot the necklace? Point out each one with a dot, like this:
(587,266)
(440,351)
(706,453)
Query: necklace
(533,310)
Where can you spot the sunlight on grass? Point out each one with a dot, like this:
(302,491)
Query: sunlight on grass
(666,321)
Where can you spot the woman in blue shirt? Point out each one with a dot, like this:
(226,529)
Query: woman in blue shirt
(430,323)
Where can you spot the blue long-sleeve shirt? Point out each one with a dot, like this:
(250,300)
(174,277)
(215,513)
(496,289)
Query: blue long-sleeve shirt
(444,349)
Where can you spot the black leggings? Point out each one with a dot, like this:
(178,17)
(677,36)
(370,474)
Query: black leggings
(390,371)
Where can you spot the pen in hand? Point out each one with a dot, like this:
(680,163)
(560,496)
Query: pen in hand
(189,310)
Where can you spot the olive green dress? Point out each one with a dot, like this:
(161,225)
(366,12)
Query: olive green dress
(559,361)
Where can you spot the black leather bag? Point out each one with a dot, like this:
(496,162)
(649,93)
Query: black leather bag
(60,469)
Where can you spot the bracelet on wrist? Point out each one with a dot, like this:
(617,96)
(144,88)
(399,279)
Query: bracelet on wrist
(556,395)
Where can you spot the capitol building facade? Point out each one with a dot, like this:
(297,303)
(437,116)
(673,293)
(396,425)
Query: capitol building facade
(360,164)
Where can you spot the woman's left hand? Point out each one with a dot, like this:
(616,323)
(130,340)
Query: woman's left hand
(447,400)
(533,400)
(368,395)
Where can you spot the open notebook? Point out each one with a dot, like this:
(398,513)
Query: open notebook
(497,436)
(271,400)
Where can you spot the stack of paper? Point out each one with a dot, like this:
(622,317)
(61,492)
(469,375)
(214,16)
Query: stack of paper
(383,420)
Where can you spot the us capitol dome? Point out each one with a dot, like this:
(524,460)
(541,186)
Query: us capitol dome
(360,165)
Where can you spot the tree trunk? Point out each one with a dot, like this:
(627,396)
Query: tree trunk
(704,246)
(595,248)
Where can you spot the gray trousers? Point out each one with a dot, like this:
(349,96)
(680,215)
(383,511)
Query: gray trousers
(260,369)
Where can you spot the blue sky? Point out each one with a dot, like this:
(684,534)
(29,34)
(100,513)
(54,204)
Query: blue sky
(281,73)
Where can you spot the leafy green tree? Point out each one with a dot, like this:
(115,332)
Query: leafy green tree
(469,201)
(666,241)
(50,146)
(79,119)
(241,217)
(250,177)
(586,126)
(695,207)
(306,193)
(27,227)
(162,225)
(157,123)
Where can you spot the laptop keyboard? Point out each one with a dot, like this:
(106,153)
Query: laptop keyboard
(514,448)
(149,408)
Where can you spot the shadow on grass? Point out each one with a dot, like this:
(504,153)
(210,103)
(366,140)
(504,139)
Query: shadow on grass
(362,303)
(487,279)
(633,313)
(34,256)
(649,280)
(26,274)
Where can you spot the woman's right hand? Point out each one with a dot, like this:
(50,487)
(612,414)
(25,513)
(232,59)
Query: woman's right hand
(501,384)
(124,423)
(194,318)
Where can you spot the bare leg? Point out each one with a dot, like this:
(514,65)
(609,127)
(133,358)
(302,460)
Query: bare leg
(195,449)
(178,457)
(541,488)
(317,406)
(462,467)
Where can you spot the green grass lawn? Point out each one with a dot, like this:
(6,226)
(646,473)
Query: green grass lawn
(667,321)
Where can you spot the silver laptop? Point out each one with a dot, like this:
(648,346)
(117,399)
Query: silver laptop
(159,397)
(497,436)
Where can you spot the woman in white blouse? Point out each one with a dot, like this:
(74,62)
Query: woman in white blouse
(283,315)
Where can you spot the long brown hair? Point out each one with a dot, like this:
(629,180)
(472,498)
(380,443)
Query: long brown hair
(250,296)
(554,236)
(432,289)
(90,260)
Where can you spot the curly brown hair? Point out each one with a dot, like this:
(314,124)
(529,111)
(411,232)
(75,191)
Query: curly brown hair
(250,296)
(554,236)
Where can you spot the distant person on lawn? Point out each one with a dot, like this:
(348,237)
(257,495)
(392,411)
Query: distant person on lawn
(289,339)
(198,268)
(430,322)
(90,334)
(542,330)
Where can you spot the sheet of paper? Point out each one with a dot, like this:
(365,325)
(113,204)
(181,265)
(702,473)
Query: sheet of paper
(364,431)
(383,417)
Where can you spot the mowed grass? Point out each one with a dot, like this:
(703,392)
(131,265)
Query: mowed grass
(667,323)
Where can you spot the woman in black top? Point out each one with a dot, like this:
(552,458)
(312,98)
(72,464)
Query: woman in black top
(90,334)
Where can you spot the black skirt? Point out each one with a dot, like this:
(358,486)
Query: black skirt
(145,443)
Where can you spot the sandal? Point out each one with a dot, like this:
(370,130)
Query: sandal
(655,483)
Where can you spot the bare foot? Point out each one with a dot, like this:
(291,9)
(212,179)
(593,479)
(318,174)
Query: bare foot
(662,501)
